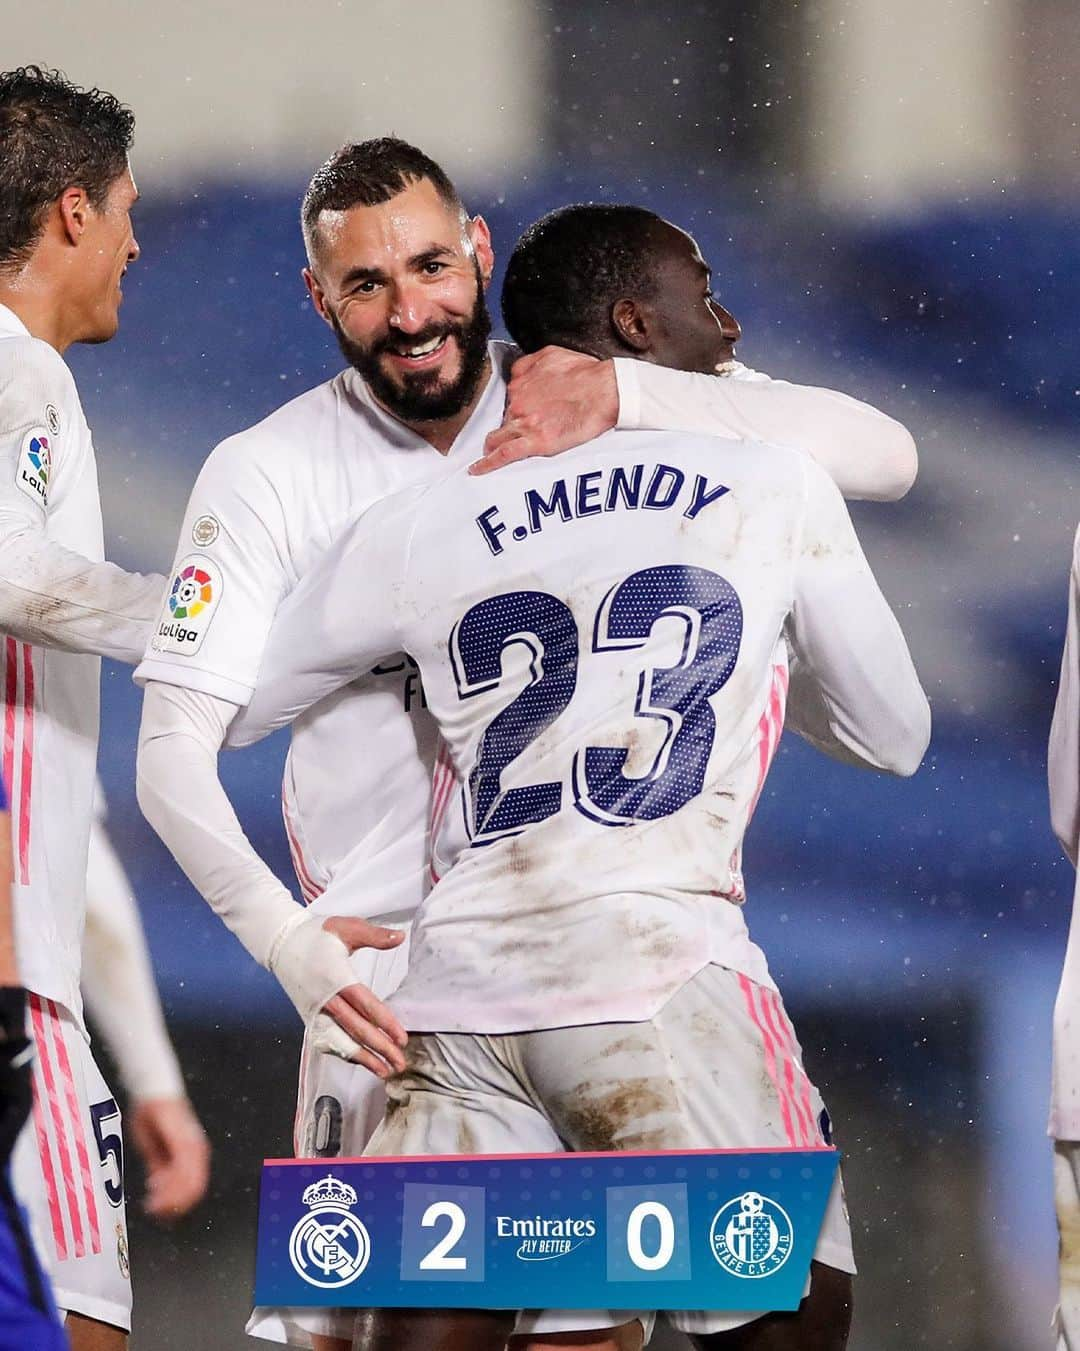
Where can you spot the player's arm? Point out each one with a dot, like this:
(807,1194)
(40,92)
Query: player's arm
(118,984)
(50,595)
(860,697)
(557,399)
(336,624)
(182,797)
(1063,760)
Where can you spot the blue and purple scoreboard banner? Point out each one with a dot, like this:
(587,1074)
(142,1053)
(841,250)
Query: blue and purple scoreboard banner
(693,1230)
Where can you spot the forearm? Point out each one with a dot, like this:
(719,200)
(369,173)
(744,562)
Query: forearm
(53,597)
(181,796)
(118,981)
(808,715)
(866,453)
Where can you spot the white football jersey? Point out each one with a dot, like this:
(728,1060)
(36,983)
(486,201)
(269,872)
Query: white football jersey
(1064,769)
(48,484)
(603,639)
(267,504)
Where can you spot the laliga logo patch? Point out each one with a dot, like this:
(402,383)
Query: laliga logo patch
(751,1236)
(189,607)
(329,1247)
(35,466)
(192,591)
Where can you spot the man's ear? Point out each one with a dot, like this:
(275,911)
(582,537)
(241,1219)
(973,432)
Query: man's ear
(481,242)
(74,211)
(318,299)
(630,325)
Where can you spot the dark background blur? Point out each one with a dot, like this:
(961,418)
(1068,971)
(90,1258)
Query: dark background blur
(888,197)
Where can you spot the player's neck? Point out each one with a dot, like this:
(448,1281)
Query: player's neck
(443,433)
(34,300)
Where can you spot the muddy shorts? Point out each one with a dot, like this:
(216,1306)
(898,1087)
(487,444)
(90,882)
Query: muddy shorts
(338,1107)
(719,1067)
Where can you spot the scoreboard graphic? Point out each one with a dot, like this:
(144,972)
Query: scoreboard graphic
(682,1230)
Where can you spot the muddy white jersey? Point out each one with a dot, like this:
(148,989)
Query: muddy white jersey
(267,504)
(603,640)
(48,487)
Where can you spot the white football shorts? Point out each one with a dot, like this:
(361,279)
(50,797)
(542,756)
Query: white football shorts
(68,1171)
(338,1108)
(719,1067)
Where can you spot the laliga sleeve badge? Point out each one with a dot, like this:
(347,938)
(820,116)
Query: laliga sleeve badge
(193,597)
(34,466)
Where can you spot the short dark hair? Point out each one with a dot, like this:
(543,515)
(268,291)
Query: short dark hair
(368,173)
(568,270)
(53,135)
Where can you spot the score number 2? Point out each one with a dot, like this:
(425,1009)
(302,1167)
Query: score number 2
(439,1259)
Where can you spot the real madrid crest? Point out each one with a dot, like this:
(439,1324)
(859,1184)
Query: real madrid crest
(329,1247)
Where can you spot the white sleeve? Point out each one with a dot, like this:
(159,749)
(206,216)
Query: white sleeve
(870,707)
(866,453)
(118,981)
(49,595)
(181,796)
(338,621)
(1063,759)
(232,568)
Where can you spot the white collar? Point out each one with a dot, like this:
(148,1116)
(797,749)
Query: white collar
(10,323)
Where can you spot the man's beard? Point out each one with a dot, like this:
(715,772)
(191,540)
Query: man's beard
(420,397)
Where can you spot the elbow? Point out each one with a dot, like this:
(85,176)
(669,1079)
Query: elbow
(144,794)
(910,741)
(902,464)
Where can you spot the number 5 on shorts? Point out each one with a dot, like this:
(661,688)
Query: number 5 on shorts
(110,1146)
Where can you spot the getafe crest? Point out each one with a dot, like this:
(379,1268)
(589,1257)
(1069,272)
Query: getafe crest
(329,1247)
(751,1236)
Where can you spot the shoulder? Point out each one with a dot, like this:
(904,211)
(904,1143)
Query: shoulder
(32,370)
(277,449)
(746,458)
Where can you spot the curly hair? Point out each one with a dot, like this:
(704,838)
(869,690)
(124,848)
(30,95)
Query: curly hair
(53,136)
(568,270)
